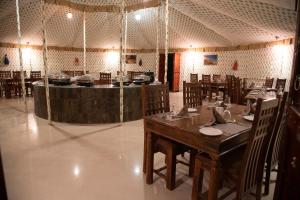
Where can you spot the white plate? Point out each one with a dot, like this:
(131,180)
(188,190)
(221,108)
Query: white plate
(210,131)
(249,117)
(192,110)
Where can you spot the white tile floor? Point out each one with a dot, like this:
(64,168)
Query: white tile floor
(78,162)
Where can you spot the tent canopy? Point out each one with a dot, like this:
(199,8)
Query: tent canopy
(201,23)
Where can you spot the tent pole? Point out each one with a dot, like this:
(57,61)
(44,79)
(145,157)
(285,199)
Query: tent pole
(157,43)
(166,39)
(121,63)
(45,59)
(125,43)
(20,55)
(84,43)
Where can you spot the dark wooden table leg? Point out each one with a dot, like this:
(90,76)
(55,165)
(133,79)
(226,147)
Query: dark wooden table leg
(214,180)
(197,180)
(150,159)
(171,168)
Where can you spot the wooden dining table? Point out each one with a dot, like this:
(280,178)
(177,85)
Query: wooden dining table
(186,131)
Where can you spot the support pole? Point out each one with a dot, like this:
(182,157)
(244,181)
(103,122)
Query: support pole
(84,43)
(45,59)
(125,43)
(121,63)
(157,43)
(20,55)
(166,39)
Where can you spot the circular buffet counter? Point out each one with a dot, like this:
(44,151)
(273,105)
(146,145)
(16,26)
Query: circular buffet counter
(87,105)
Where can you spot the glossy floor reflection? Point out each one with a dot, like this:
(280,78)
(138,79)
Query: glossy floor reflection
(78,162)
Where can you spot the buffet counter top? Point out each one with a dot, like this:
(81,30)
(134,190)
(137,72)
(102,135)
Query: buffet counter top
(88,105)
(41,83)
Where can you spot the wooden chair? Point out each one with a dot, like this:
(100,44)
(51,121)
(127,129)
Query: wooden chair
(280,82)
(155,99)
(129,74)
(35,74)
(216,77)
(17,86)
(5,74)
(17,74)
(206,86)
(206,78)
(276,142)
(194,78)
(105,78)
(68,72)
(237,91)
(269,82)
(9,88)
(243,166)
(192,94)
(3,192)
(229,88)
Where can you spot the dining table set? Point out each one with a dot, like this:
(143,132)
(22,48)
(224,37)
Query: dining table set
(203,129)
(11,83)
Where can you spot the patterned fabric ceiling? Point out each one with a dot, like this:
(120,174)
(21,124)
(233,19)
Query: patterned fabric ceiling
(200,23)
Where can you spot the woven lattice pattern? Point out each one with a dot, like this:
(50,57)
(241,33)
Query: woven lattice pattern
(200,23)
(253,64)
(65,60)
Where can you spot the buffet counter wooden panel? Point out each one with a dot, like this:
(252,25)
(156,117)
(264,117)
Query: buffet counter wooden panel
(88,105)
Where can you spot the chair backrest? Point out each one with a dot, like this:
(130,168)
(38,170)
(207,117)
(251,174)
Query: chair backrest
(206,78)
(5,74)
(78,73)
(105,78)
(237,90)
(129,74)
(269,82)
(194,78)
(259,139)
(230,86)
(216,77)
(192,94)
(280,82)
(17,74)
(68,72)
(275,144)
(35,74)
(155,99)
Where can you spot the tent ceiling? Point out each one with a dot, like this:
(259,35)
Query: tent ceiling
(200,23)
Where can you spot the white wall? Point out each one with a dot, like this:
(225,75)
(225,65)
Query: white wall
(275,62)
(64,60)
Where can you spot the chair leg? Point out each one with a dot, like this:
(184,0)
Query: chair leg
(150,159)
(197,180)
(267,180)
(145,152)
(171,169)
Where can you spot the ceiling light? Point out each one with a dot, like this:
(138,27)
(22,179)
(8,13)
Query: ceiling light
(137,17)
(69,15)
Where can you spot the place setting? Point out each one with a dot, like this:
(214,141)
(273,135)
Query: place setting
(221,123)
